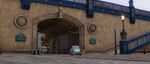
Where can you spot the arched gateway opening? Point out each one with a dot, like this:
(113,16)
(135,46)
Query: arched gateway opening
(56,35)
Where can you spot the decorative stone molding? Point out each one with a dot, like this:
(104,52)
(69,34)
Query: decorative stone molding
(60,12)
(21,22)
(91,28)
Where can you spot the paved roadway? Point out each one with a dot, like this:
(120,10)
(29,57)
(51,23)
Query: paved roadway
(65,59)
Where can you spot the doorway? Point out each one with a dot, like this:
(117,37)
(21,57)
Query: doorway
(56,36)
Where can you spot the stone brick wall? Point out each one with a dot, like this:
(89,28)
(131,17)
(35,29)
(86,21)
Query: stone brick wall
(10,9)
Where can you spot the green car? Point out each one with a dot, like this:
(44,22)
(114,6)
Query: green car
(75,50)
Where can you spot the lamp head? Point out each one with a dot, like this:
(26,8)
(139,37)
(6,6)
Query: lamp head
(122,17)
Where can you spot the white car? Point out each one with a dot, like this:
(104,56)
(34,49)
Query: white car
(75,50)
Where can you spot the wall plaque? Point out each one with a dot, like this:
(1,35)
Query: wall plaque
(92,41)
(21,22)
(20,37)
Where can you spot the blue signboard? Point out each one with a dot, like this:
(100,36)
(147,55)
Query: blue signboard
(92,41)
(20,37)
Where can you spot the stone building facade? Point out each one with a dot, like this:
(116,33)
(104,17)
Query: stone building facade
(75,19)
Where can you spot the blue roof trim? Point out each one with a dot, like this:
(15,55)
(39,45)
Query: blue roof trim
(99,6)
(62,3)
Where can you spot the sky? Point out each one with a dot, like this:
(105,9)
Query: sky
(140,4)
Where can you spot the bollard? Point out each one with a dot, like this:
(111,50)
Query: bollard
(144,51)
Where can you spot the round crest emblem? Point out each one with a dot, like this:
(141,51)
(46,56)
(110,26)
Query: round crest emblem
(92,28)
(21,22)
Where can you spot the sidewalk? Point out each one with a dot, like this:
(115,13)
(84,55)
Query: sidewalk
(94,58)
(130,57)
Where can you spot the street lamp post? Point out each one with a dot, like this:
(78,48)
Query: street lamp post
(123,34)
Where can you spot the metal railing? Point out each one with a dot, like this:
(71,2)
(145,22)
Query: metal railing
(119,7)
(99,6)
(98,3)
(77,1)
(131,45)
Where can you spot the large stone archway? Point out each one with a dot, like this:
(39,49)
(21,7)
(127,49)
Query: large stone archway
(37,20)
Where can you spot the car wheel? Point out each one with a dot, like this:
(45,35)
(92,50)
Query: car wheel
(71,54)
(80,54)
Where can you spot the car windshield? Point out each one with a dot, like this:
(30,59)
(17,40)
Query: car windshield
(75,47)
